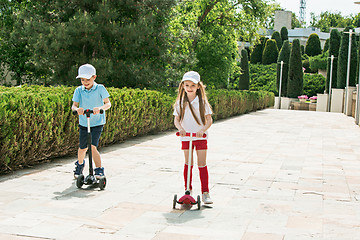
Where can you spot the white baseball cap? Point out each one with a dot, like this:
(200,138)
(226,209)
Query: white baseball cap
(86,71)
(191,76)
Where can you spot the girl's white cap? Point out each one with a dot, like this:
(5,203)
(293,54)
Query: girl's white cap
(191,76)
(86,71)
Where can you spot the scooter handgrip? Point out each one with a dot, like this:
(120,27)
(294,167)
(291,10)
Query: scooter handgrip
(74,112)
(101,111)
(188,134)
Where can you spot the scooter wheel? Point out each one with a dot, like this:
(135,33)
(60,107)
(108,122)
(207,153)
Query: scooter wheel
(80,181)
(102,183)
(174,201)
(198,202)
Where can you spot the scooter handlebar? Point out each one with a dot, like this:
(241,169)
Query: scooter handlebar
(88,111)
(188,134)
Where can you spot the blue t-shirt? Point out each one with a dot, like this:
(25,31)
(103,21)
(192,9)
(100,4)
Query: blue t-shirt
(88,99)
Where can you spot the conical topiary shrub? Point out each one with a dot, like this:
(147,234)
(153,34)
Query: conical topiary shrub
(343,60)
(244,78)
(270,53)
(313,45)
(334,45)
(276,36)
(295,85)
(284,34)
(284,56)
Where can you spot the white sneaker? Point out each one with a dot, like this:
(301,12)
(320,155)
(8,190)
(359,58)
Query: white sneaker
(206,198)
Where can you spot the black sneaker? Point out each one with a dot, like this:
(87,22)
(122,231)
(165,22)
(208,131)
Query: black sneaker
(78,169)
(99,172)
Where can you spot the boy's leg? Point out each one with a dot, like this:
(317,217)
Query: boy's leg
(81,155)
(96,156)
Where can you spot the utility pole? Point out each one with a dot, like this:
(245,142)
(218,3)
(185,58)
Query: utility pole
(302,17)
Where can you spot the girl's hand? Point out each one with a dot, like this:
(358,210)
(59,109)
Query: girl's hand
(182,133)
(200,134)
(96,110)
(80,111)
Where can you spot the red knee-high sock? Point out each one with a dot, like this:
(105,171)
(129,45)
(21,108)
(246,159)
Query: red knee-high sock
(185,175)
(204,178)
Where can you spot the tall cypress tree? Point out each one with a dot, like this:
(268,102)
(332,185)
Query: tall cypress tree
(343,60)
(284,56)
(277,38)
(270,53)
(334,45)
(284,34)
(245,75)
(296,76)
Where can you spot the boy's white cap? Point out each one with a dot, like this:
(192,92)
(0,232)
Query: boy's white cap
(86,71)
(191,76)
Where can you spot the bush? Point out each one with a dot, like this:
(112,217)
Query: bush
(313,45)
(313,84)
(37,124)
(319,61)
(263,78)
(270,53)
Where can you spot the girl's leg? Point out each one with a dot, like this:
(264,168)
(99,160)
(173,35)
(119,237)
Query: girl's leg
(203,171)
(186,165)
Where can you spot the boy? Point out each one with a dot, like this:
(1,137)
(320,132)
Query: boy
(90,96)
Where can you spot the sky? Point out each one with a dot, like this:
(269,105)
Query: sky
(345,7)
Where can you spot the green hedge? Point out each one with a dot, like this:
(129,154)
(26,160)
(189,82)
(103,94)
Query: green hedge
(37,125)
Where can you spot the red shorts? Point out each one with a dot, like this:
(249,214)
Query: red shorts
(199,144)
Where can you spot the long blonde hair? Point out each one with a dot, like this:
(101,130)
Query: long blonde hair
(183,100)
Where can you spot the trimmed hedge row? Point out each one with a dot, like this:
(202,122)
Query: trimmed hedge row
(37,125)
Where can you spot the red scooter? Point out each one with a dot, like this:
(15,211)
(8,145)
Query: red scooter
(187,199)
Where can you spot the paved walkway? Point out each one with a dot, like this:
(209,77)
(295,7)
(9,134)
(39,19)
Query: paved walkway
(274,175)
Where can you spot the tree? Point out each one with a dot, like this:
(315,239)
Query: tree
(343,60)
(295,80)
(313,45)
(245,75)
(284,56)
(334,45)
(276,36)
(284,34)
(256,54)
(326,20)
(326,45)
(124,40)
(270,53)
(295,23)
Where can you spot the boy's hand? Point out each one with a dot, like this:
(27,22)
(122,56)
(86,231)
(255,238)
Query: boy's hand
(96,110)
(80,111)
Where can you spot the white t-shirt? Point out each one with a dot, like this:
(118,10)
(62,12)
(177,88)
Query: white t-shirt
(188,123)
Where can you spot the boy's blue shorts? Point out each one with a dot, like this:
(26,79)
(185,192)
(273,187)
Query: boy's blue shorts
(95,136)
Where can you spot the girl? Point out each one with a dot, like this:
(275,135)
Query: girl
(193,114)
